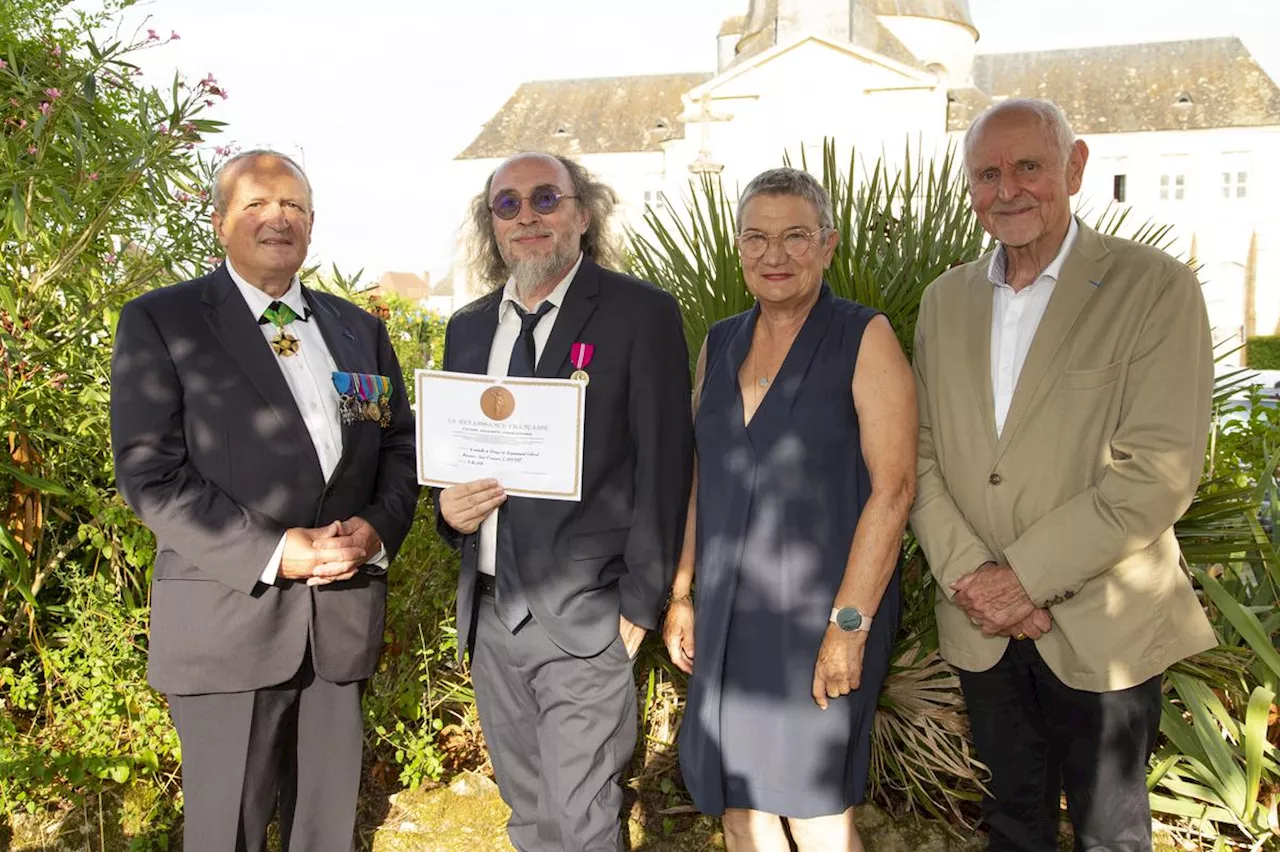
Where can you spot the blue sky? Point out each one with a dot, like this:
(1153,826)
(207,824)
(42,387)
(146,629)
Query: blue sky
(380,95)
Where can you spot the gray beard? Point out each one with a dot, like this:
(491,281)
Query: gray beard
(529,275)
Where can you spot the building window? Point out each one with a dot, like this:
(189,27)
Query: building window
(1235,184)
(655,198)
(1235,175)
(1173,187)
(1117,188)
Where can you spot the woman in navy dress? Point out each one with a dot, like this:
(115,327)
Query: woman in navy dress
(806,440)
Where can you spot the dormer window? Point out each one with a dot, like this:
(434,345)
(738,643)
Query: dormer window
(661,124)
(1183,100)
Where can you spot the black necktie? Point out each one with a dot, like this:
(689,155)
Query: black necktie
(511,603)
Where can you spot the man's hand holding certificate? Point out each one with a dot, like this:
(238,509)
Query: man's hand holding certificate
(525,433)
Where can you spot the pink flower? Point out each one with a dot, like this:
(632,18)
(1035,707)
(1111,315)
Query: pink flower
(93,175)
(164,128)
(44,108)
(221,150)
(32,150)
(111,257)
(173,36)
(189,128)
(208,102)
(3,64)
(57,51)
(53,94)
(204,193)
(13,102)
(151,36)
(209,80)
(183,197)
(22,125)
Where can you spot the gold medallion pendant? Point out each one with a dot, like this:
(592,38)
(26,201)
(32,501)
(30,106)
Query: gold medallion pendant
(284,344)
(580,376)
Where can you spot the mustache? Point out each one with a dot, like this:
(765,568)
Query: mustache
(522,233)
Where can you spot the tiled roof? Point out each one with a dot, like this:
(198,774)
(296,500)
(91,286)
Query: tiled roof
(589,116)
(1176,85)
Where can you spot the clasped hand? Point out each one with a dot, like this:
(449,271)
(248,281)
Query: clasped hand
(328,554)
(995,602)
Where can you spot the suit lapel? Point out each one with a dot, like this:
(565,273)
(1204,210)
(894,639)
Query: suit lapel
(1076,285)
(471,337)
(237,329)
(979,354)
(579,303)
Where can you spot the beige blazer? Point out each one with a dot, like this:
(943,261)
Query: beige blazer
(1101,452)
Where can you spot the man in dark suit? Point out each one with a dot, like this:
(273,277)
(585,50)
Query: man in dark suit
(555,597)
(261,430)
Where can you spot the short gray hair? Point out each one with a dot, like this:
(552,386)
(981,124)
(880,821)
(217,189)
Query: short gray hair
(223,174)
(793,182)
(1052,120)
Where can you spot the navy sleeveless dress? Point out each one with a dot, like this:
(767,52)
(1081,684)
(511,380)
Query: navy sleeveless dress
(778,502)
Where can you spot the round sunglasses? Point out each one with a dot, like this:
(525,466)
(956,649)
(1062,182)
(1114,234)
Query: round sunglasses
(543,200)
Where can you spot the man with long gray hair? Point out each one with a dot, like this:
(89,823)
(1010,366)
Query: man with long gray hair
(1064,384)
(554,597)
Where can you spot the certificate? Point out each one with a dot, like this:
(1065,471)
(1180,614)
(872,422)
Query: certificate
(525,433)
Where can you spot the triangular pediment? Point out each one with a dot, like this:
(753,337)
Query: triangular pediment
(872,69)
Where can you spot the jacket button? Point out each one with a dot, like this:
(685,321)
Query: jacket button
(995,479)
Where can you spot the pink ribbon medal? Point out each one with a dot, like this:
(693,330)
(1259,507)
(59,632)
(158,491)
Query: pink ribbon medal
(580,355)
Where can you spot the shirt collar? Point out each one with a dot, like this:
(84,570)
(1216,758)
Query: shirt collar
(555,297)
(259,301)
(1000,260)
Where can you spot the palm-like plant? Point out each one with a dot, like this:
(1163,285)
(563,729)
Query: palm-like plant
(898,232)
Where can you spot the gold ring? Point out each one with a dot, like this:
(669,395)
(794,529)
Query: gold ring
(1020,636)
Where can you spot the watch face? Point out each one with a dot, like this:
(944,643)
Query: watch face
(848,618)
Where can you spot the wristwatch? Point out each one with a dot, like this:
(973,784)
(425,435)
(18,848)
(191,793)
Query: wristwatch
(850,619)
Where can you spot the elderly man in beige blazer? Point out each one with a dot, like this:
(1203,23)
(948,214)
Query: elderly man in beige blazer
(1064,384)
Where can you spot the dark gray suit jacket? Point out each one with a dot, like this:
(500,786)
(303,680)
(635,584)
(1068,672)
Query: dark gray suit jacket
(212,454)
(581,564)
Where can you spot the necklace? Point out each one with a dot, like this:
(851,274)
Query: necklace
(762,380)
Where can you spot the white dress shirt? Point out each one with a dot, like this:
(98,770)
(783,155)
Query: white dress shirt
(309,375)
(1014,320)
(504,340)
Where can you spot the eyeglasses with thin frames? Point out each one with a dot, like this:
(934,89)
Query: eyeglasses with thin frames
(544,200)
(795,242)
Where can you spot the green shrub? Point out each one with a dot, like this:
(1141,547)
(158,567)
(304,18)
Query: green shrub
(101,196)
(1263,352)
